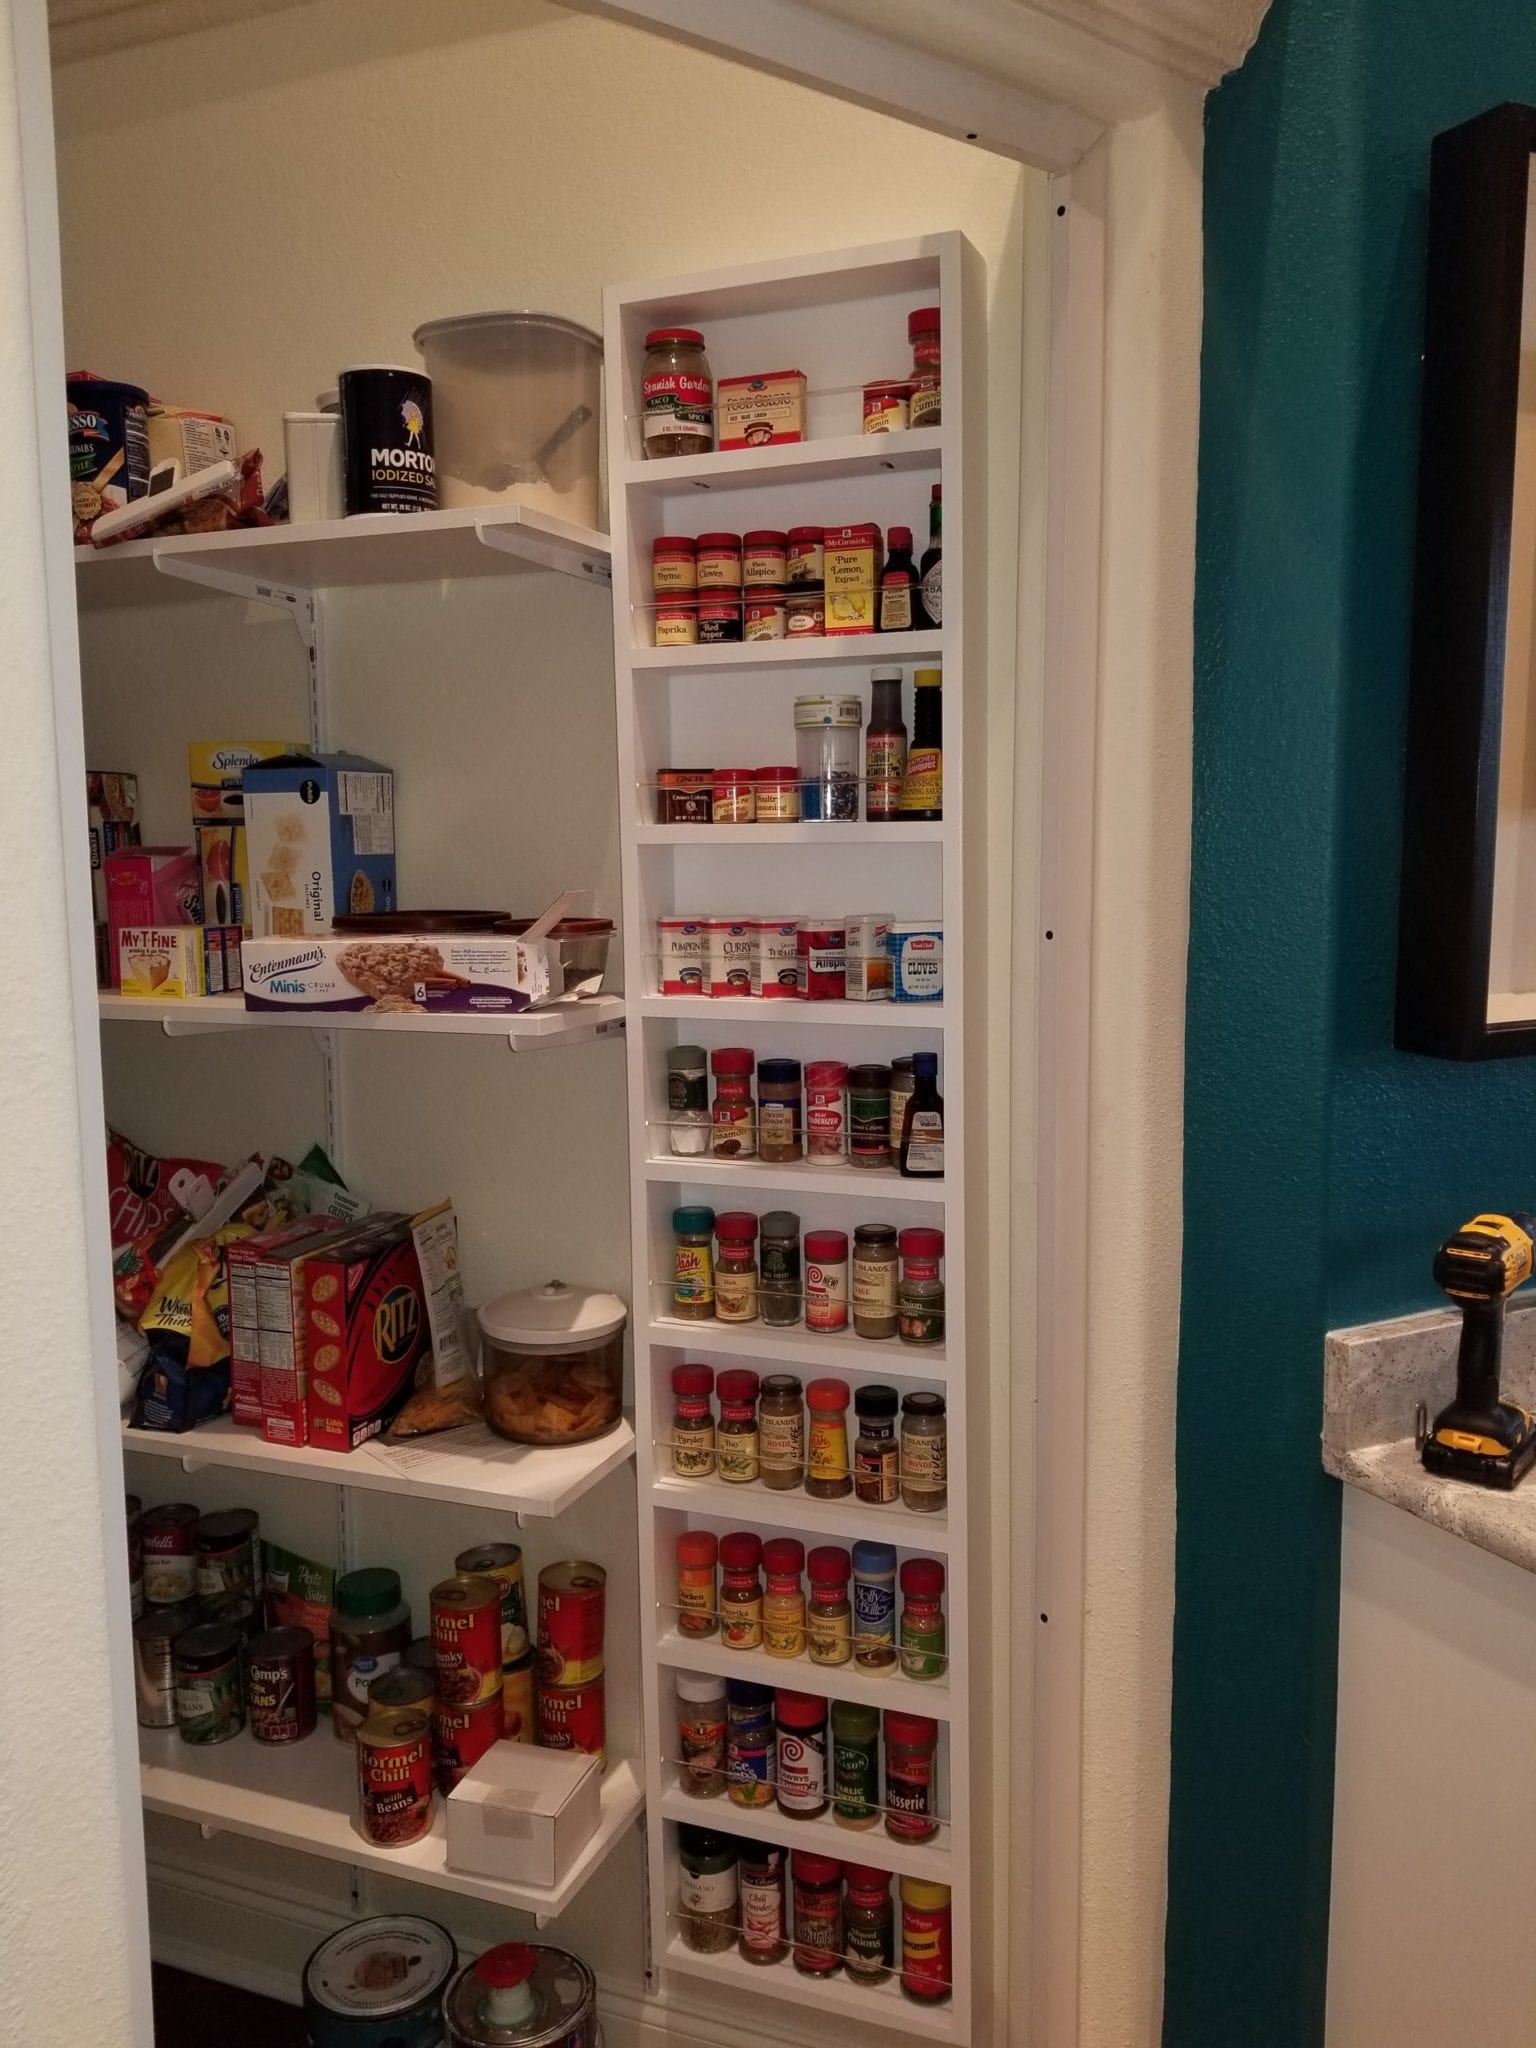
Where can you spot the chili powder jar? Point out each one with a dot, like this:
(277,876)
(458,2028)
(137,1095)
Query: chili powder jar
(762,1903)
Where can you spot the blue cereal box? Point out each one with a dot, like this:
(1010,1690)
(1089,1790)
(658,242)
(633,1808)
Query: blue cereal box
(320,842)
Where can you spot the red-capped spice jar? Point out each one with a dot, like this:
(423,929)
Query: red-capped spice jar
(911,1755)
(765,559)
(826,1278)
(763,615)
(927,1941)
(823,949)
(887,405)
(736,1267)
(805,612)
(804,559)
(921,1250)
(719,618)
(735,796)
(732,1113)
(394,1778)
(718,562)
(923,333)
(698,1551)
(826,1112)
(828,1469)
(817,1913)
(684,797)
(676,617)
(693,1424)
(674,565)
(800,1722)
(741,1590)
(737,1436)
(923,1653)
(778,796)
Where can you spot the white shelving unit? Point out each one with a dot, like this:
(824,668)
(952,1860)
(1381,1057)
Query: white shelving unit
(838,317)
(563,1023)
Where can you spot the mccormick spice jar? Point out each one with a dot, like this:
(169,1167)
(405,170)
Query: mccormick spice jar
(680,947)
(763,615)
(911,1751)
(804,556)
(780,1112)
(280,1685)
(826,1116)
(719,561)
(869,1116)
(876,1455)
(693,1427)
(874,1280)
(887,406)
(762,1871)
(684,797)
(693,1273)
(674,565)
(735,796)
(777,975)
(675,619)
(826,1269)
(572,1603)
(394,1778)
(920,1291)
(927,1941)
(741,1593)
(778,796)
(779,1284)
(210,1695)
(874,1606)
(800,1721)
(698,1551)
(818,1914)
(765,559)
(827,1475)
(730,946)
(733,1115)
(923,332)
(855,1765)
(736,1456)
(749,1742)
(829,1615)
(719,618)
(736,1267)
(677,394)
(783,1597)
(466,1640)
(701,1734)
(781,1432)
(822,947)
(805,613)
(923,1648)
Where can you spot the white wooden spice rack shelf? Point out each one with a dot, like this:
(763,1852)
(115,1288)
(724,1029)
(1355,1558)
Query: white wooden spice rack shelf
(563,1023)
(833,1997)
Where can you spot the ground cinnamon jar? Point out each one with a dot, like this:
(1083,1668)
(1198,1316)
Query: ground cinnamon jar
(828,1476)
(697,1550)
(781,1432)
(741,1591)
(737,1434)
(736,1267)
(732,1115)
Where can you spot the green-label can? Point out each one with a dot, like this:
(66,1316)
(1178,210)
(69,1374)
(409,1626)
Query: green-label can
(210,1697)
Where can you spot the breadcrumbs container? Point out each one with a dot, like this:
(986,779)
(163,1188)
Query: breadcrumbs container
(552,1358)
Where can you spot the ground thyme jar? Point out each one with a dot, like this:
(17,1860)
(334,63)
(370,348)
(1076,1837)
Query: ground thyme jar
(693,1428)
(697,1613)
(718,562)
(783,1597)
(876,1456)
(737,1435)
(780,1112)
(827,1475)
(736,1267)
(674,565)
(693,1277)
(781,1432)
(829,1614)
(677,394)
(874,1280)
(741,1591)
(924,1454)
(779,1288)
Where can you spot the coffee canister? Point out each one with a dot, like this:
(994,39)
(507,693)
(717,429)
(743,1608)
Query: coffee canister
(523,1995)
(386,429)
(379,1984)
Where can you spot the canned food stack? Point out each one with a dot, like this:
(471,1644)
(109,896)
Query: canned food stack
(571,1707)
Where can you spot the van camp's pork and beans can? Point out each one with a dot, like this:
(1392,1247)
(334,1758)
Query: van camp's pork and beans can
(460,1737)
(571,1605)
(169,1537)
(394,1778)
(466,1641)
(386,431)
(574,1717)
(502,1562)
(280,1685)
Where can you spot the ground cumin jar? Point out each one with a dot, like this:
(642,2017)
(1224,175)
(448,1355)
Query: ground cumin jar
(718,561)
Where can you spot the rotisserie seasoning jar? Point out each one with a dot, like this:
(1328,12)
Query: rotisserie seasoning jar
(502,1562)
(394,1778)
(523,1995)
(280,1685)
(571,1608)
(210,1698)
(386,431)
(228,1563)
(379,1984)
(169,1537)
(466,1640)
(154,1662)
(461,1736)
(574,1717)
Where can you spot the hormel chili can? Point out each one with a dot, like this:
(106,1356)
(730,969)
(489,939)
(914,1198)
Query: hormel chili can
(280,1685)
(394,1778)
(571,1602)
(466,1641)
(573,1717)
(518,1718)
(460,1737)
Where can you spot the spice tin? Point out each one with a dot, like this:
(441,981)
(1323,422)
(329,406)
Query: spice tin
(762,411)
(280,1685)
(763,614)
(386,430)
(154,1662)
(517,1706)
(778,796)
(379,1984)
(571,1605)
(683,796)
(405,1686)
(805,556)
(852,556)
(461,1736)
(210,1699)
(777,957)
(680,945)
(731,946)
(765,559)
(674,565)
(466,1640)
(169,1538)
(502,1562)
(228,1563)
(394,1778)
(719,618)
(805,614)
(735,796)
(523,1995)
(134,1513)
(572,1717)
(719,561)
(887,406)
(823,950)
(916,948)
(676,619)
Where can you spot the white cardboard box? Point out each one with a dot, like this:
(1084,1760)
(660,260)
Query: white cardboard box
(523,1813)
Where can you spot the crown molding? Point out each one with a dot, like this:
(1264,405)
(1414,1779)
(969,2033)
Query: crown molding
(1200,40)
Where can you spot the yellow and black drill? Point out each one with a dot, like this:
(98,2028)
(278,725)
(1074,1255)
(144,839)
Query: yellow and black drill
(1480,1437)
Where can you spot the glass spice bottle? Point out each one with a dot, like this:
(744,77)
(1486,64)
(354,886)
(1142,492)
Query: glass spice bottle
(920,1290)
(736,1267)
(911,1753)
(924,1454)
(701,1735)
(903,1082)
(874,1280)
(826,1111)
(829,1615)
(749,1742)
(922,1619)
(885,748)
(784,1597)
(733,1116)
(827,1472)
(927,1942)
(763,1868)
(899,609)
(741,1591)
(780,1290)
(876,1458)
(927,409)
(780,1112)
(874,1605)
(781,1432)
(869,1925)
(930,570)
(922,1131)
(826,1280)
(736,1438)
(697,1551)
(869,1116)
(800,1719)
(687,1102)
(818,1914)
(706,1890)
(855,1765)
(677,394)
(693,1273)
(922,787)
(693,1426)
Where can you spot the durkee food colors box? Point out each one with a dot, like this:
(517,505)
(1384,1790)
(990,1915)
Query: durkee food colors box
(365,1328)
(149,885)
(282,1378)
(320,840)
(258,1281)
(430,974)
(216,770)
(221,867)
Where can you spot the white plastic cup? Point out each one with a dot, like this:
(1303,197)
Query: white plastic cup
(312,451)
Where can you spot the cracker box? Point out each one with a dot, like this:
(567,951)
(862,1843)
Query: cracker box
(222,871)
(257,1284)
(430,974)
(763,411)
(216,770)
(149,885)
(282,1375)
(320,841)
(365,1330)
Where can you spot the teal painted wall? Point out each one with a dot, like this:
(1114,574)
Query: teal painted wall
(1321,1167)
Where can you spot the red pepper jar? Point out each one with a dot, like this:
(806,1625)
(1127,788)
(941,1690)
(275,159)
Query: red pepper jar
(733,1117)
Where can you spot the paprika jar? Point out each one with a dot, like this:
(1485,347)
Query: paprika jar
(741,1591)
(826,1280)
(675,618)
(927,1941)
(697,1551)
(733,1116)
(780,1283)
(749,1741)
(818,1913)
(926,407)
(736,1267)
(700,1735)
(800,1719)
(780,1098)
(765,559)
(783,1597)
(827,1472)
(911,1757)
(693,1277)
(693,1427)
(719,561)
(674,565)
(781,1432)
(829,1614)
(736,1438)
(922,1619)
(869,1925)
(826,1112)
(677,394)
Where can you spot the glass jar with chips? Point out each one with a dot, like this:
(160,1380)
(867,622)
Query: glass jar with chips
(552,1358)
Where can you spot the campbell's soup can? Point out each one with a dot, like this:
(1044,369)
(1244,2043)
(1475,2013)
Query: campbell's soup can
(518,1714)
(574,1717)
(394,1778)
(460,1737)
(466,1640)
(386,434)
(134,1508)
(169,1537)
(502,1562)
(571,1607)
(280,1685)
(379,1981)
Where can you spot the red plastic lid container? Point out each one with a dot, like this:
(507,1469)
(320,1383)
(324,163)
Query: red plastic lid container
(784,1557)
(692,1379)
(505,1967)
(738,1386)
(692,334)
(698,1547)
(741,1551)
(675,544)
(778,774)
(765,537)
(922,1575)
(736,1226)
(919,1242)
(807,533)
(826,1244)
(924,321)
(733,1059)
(829,1566)
(861,1878)
(899,537)
(801,1710)
(730,542)
(914,1731)
(811,1869)
(825,1073)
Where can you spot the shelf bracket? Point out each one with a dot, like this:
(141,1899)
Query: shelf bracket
(528,547)
(575,1034)
(300,605)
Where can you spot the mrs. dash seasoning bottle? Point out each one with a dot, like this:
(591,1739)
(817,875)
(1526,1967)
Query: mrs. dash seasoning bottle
(693,1272)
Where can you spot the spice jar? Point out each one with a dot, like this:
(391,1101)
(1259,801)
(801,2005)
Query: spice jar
(683,798)
(923,332)
(927,1941)
(920,1292)
(719,561)
(874,1605)
(869,1925)
(780,1285)
(736,1459)
(804,559)
(749,1741)
(781,1432)
(730,947)
(887,406)
(827,1472)
(800,1722)
(784,1597)
(693,1427)
(874,1280)
(687,1102)
(818,1913)
(829,751)
(674,565)
(736,1267)
(805,612)
(776,975)
(911,1754)
(778,796)
(924,1454)
(876,1459)
(922,1618)
(763,615)
(735,796)
(855,1765)
(693,1277)
(697,1551)
(829,1615)
(869,1116)
(719,616)
(826,1111)
(903,1083)
(826,1280)
(701,1735)
(762,1868)
(675,619)
(706,1889)
(779,1111)
(733,1117)
(765,559)
(823,948)
(677,394)
(741,1591)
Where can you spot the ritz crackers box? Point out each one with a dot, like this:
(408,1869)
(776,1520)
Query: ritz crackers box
(364,1331)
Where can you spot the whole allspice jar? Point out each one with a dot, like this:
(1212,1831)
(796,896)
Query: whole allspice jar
(781,1432)
(874,1280)
(924,1454)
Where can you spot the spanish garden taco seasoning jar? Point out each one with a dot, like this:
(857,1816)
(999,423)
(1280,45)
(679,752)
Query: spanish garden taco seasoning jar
(677,394)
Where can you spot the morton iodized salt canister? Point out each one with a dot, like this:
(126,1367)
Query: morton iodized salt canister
(386,431)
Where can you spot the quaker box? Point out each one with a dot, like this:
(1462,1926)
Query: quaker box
(361,1329)
(523,1813)
(320,841)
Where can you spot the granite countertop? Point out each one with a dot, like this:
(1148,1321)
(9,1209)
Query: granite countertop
(1375,1375)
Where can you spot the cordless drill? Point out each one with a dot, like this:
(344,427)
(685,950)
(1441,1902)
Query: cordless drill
(1480,1437)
